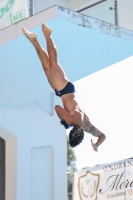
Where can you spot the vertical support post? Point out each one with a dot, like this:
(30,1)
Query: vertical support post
(73,186)
(2,169)
(30,8)
(116,13)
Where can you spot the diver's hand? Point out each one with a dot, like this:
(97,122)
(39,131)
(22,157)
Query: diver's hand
(94,146)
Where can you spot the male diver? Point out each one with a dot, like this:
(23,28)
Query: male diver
(72,114)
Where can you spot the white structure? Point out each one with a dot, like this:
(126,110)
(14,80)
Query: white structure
(14,11)
(27,115)
(35,157)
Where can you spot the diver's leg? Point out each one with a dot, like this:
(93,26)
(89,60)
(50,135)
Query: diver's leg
(42,54)
(57,74)
(51,47)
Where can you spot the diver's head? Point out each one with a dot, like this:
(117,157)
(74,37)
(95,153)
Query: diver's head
(76,136)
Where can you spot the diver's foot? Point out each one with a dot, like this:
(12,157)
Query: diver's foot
(31,36)
(46,30)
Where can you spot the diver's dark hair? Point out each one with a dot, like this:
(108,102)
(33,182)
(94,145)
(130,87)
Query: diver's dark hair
(76,136)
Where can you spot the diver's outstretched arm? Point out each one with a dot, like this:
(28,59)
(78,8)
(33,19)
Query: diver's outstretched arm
(96,133)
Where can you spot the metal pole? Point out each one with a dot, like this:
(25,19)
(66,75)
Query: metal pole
(95,4)
(116,13)
(73,187)
(30,7)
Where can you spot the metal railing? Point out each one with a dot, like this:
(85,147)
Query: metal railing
(100,2)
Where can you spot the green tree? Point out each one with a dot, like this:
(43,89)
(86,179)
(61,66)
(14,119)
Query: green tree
(71,167)
(71,158)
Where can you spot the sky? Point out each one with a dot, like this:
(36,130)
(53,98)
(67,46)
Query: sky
(107,98)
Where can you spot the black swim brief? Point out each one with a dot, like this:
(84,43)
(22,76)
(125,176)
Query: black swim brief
(69,88)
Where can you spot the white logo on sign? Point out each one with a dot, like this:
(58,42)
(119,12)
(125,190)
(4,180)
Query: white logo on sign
(88,185)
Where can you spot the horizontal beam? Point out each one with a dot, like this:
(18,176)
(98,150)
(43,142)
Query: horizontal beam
(92,5)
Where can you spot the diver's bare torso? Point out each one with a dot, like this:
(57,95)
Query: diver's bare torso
(79,118)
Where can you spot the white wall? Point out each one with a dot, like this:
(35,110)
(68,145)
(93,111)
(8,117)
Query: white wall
(40,5)
(41,160)
(125,14)
(42,172)
(102,12)
(79,4)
